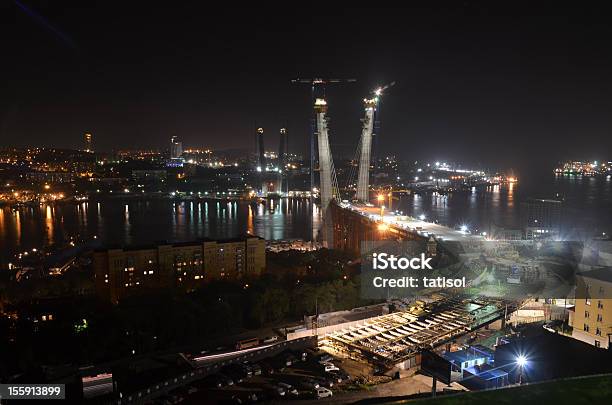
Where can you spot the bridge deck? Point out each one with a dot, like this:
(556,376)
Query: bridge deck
(411,224)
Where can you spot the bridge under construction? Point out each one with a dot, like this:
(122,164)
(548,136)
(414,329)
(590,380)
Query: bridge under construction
(328,184)
(346,223)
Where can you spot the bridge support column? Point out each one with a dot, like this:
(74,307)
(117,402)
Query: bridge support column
(325,171)
(363,179)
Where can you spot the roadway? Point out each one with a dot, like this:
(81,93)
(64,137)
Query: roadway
(422,227)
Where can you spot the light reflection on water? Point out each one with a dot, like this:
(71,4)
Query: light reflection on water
(589,202)
(142,222)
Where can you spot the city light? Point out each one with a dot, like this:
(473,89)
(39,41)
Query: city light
(464,228)
(422,217)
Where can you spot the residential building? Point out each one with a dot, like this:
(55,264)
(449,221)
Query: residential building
(592,318)
(123,272)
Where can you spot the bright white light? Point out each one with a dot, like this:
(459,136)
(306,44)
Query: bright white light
(422,217)
(464,228)
(521,361)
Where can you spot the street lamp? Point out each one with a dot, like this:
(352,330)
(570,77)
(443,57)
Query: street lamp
(464,228)
(381,199)
(521,362)
(383,227)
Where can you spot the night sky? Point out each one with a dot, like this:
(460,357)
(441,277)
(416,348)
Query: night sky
(495,86)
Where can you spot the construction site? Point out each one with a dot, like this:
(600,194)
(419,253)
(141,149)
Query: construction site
(395,340)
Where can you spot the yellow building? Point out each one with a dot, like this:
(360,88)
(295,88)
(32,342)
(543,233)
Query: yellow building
(123,272)
(592,320)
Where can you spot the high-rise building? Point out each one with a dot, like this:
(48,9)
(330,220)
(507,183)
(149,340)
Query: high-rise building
(88,142)
(124,272)
(261,158)
(541,218)
(283,147)
(176,148)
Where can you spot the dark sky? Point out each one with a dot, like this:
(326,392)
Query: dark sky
(502,86)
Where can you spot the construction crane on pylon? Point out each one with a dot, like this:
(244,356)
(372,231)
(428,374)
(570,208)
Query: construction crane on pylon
(318,80)
(380,90)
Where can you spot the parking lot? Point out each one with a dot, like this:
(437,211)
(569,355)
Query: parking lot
(289,375)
